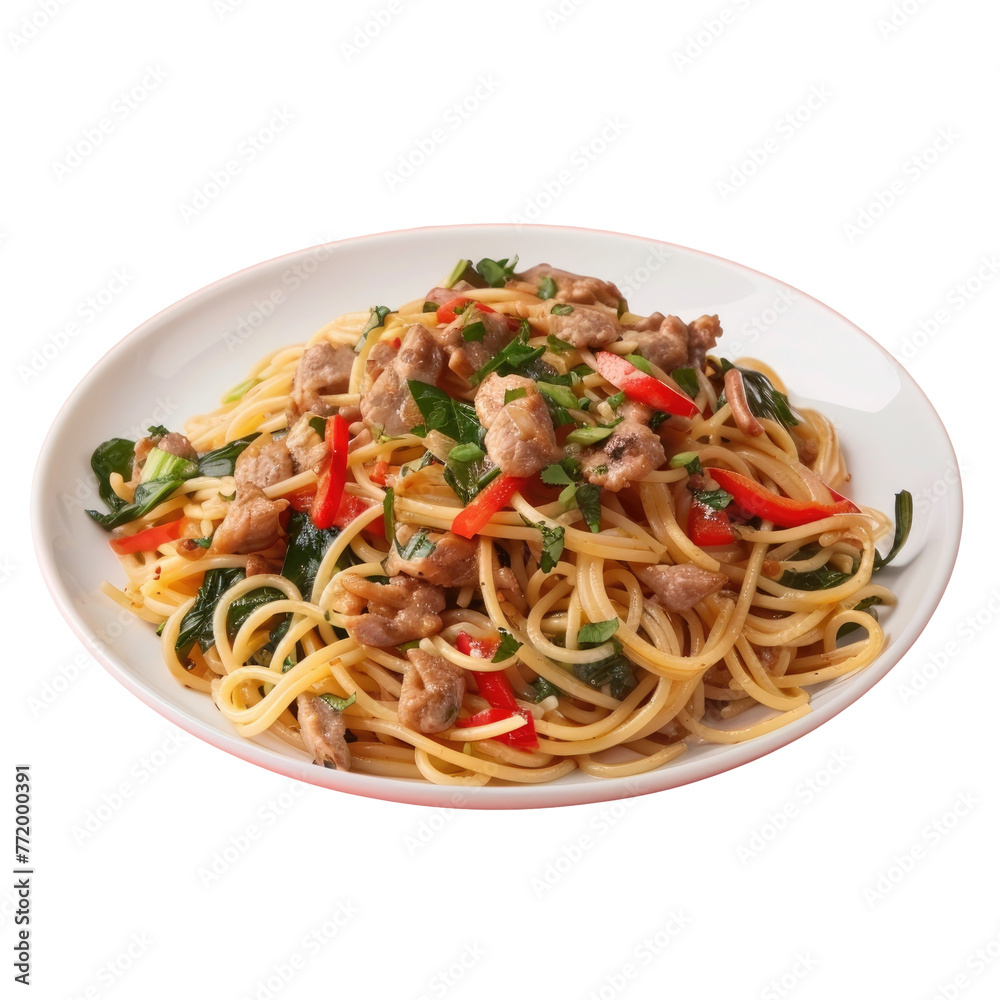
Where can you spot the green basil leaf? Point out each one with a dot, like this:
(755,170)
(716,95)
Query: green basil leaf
(687,379)
(496,273)
(562,309)
(222,461)
(507,648)
(598,632)
(339,704)
(547,287)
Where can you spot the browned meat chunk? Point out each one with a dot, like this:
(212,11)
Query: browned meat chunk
(453,563)
(585,327)
(262,463)
(388,407)
(468,356)
(575,287)
(323,731)
(378,360)
(304,442)
(668,342)
(398,611)
(439,296)
(322,370)
(521,439)
(177,444)
(631,453)
(680,588)
(492,391)
(268,561)
(431,697)
(251,522)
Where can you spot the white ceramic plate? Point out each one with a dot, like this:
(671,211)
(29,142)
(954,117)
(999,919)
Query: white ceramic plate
(181,361)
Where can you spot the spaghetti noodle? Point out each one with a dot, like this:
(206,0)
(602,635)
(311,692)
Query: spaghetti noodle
(505,531)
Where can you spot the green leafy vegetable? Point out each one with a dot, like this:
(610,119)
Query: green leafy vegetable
(452,418)
(241,609)
(547,287)
(146,497)
(318,424)
(616,671)
(388,513)
(222,461)
(430,307)
(112,456)
(904,521)
(616,400)
(307,545)
(474,331)
(466,453)
(553,542)
(513,359)
(716,499)
(688,460)
(507,648)
(687,379)
(763,399)
(511,394)
(591,435)
(543,689)
(562,309)
(598,632)
(557,345)
(339,704)
(196,625)
(376,318)
(560,395)
(588,499)
(418,547)
(462,271)
(239,391)
(496,273)
(640,362)
(556,475)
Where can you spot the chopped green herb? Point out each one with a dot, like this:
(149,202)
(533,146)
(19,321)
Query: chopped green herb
(904,521)
(157,430)
(196,625)
(388,514)
(288,664)
(511,394)
(544,689)
(222,461)
(553,541)
(474,331)
(598,632)
(239,391)
(616,671)
(460,272)
(716,499)
(622,307)
(588,499)
(562,309)
(590,435)
(556,475)
(557,345)
(418,547)
(496,273)
(452,418)
(560,395)
(202,543)
(547,287)
(376,318)
(657,418)
(640,362)
(763,399)
(466,453)
(616,400)
(513,359)
(318,424)
(687,460)
(430,307)
(507,648)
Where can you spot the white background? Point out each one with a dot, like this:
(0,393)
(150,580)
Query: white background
(860,860)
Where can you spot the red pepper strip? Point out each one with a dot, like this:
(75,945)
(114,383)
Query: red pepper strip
(330,488)
(707,526)
(469,521)
(379,473)
(782,511)
(148,540)
(482,649)
(524,736)
(643,388)
(496,689)
(446,313)
(301,499)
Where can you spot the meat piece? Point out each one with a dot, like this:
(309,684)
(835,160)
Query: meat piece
(631,453)
(572,287)
(521,439)
(251,523)
(431,697)
(323,731)
(467,356)
(680,588)
(736,396)
(585,327)
(453,563)
(262,463)
(305,444)
(492,390)
(666,345)
(398,611)
(439,296)
(703,334)
(378,360)
(637,412)
(388,407)
(322,370)
(177,444)
(271,561)
(509,587)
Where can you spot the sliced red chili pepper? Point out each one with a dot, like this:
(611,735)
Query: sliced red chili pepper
(446,313)
(782,511)
(495,497)
(482,649)
(333,477)
(302,498)
(643,388)
(707,526)
(524,736)
(495,688)
(148,540)
(380,471)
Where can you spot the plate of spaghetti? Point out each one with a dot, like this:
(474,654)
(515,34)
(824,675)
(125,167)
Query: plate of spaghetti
(497,516)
